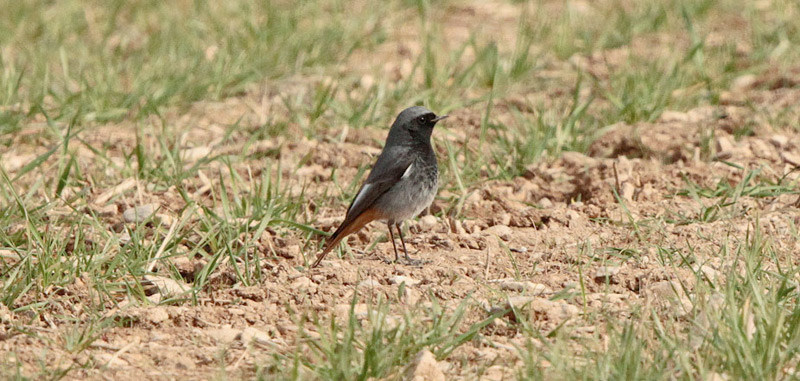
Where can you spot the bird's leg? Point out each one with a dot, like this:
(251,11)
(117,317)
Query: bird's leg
(391,234)
(411,262)
(399,227)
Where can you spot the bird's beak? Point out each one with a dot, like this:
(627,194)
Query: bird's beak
(438,118)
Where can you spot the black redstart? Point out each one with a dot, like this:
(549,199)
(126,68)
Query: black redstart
(402,183)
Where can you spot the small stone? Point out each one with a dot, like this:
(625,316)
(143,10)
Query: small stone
(342,311)
(400,279)
(194,154)
(505,219)
(502,231)
(318,279)
(673,116)
(427,222)
(289,252)
(628,189)
(779,141)
(474,198)
(527,286)
(670,296)
(576,219)
(424,367)
(605,273)
(156,315)
(709,272)
(411,296)
(725,145)
(184,362)
(106,210)
(125,238)
(791,158)
(185,267)
(367,81)
(287,328)
(370,283)
(459,228)
(5,314)
(256,336)
(223,335)
(556,311)
(313,171)
(743,82)
(498,373)
(139,213)
(304,284)
(165,286)
(540,308)
(761,149)
(545,203)
(165,219)
(578,160)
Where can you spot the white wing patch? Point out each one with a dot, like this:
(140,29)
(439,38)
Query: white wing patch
(408,171)
(361,194)
(365,189)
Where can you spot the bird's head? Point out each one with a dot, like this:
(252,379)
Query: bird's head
(415,123)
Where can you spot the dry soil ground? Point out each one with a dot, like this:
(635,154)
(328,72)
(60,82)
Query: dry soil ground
(647,219)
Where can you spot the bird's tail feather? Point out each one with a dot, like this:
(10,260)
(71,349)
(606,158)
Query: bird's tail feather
(345,229)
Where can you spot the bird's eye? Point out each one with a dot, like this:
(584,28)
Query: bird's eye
(422,119)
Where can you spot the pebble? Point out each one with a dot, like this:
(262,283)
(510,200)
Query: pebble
(139,213)
(743,82)
(459,228)
(474,198)
(165,219)
(499,373)
(255,336)
(400,279)
(224,335)
(185,266)
(502,231)
(779,141)
(428,222)
(371,283)
(605,273)
(706,270)
(628,190)
(424,367)
(555,311)
(670,296)
(791,158)
(166,286)
(156,315)
(342,311)
(304,284)
(519,286)
(194,154)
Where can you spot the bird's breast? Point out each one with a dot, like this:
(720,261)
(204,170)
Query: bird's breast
(414,192)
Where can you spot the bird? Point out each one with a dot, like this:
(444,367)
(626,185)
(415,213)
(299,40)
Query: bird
(402,183)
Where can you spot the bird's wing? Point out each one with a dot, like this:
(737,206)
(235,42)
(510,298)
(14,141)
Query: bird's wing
(390,167)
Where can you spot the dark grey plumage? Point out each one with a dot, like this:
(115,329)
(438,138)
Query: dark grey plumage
(401,184)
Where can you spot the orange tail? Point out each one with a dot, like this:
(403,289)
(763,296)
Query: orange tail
(345,229)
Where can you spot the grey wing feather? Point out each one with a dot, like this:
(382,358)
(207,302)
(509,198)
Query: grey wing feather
(388,169)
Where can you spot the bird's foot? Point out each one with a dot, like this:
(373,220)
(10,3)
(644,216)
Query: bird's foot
(407,261)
